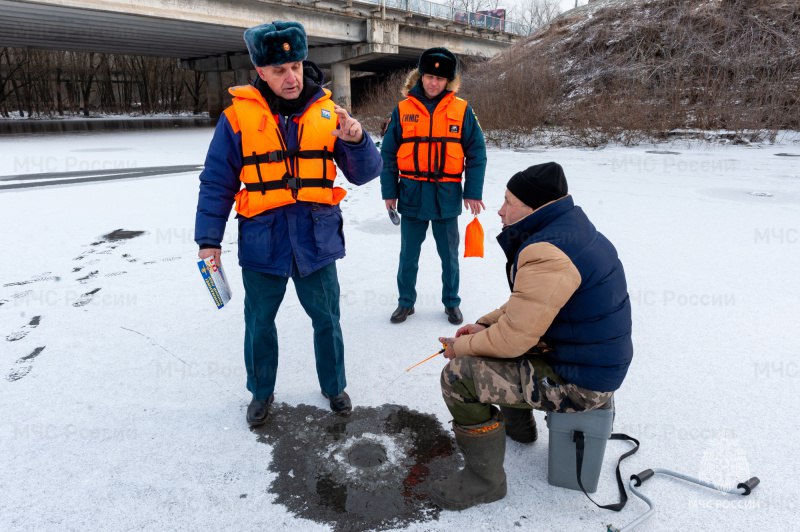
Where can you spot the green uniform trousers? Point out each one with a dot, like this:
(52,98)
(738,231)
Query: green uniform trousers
(413,231)
(319,295)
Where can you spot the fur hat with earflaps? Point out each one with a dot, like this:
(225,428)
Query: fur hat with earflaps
(276,43)
(438,62)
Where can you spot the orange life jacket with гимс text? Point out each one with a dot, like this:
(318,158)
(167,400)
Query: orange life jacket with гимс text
(430,149)
(272,175)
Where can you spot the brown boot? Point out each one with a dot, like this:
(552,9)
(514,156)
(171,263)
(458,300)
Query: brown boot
(483,478)
(520,424)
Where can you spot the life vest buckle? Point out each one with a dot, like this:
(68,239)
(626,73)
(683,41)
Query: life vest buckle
(431,176)
(275,156)
(293,183)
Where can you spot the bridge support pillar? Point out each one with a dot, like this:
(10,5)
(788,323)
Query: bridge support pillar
(214,93)
(341,84)
(242,76)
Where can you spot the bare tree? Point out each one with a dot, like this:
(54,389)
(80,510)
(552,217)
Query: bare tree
(11,65)
(44,83)
(195,87)
(84,69)
(534,14)
(471,6)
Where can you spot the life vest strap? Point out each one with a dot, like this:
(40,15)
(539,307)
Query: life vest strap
(429,139)
(288,183)
(430,176)
(278,156)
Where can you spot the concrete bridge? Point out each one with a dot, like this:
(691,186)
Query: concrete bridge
(206,35)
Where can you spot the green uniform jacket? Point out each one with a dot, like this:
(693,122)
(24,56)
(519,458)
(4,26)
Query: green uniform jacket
(433,201)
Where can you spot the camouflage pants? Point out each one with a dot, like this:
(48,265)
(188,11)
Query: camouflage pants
(470,385)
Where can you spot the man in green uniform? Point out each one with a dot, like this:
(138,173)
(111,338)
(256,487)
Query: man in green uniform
(433,139)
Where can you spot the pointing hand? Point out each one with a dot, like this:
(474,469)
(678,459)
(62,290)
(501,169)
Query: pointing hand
(349,128)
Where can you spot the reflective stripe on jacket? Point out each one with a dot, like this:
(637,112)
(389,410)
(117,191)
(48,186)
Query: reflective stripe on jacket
(431,149)
(272,175)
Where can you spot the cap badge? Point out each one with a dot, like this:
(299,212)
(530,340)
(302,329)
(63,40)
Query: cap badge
(286,47)
(436,65)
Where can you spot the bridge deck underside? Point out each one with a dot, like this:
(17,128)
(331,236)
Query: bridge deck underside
(64,28)
(29,24)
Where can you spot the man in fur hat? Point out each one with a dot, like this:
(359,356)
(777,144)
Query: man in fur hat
(561,343)
(432,141)
(275,153)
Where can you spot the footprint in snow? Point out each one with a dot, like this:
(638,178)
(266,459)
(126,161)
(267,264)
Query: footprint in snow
(86,298)
(46,276)
(23,332)
(22,366)
(88,277)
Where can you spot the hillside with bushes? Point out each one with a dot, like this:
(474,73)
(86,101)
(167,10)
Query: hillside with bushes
(626,70)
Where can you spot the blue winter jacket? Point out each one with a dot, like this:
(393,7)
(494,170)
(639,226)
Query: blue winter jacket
(297,238)
(590,336)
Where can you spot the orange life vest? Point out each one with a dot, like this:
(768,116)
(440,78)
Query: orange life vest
(271,175)
(431,148)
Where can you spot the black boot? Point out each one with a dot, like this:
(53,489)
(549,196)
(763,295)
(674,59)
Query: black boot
(340,404)
(520,424)
(454,315)
(258,411)
(401,313)
(483,478)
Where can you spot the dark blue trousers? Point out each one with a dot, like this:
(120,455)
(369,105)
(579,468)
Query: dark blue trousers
(319,295)
(413,231)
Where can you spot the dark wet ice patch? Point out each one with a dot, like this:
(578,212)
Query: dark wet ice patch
(367,471)
(120,234)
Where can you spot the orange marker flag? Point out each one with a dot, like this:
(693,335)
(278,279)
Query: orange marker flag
(473,239)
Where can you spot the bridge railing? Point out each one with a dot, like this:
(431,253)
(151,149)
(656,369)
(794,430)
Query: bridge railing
(440,11)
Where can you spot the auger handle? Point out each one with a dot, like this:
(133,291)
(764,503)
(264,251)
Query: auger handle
(749,486)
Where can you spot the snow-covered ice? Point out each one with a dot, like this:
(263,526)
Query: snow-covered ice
(122,385)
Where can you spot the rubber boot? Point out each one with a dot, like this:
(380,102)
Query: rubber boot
(483,478)
(520,424)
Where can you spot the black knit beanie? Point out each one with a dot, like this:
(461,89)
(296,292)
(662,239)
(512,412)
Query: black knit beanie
(539,184)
